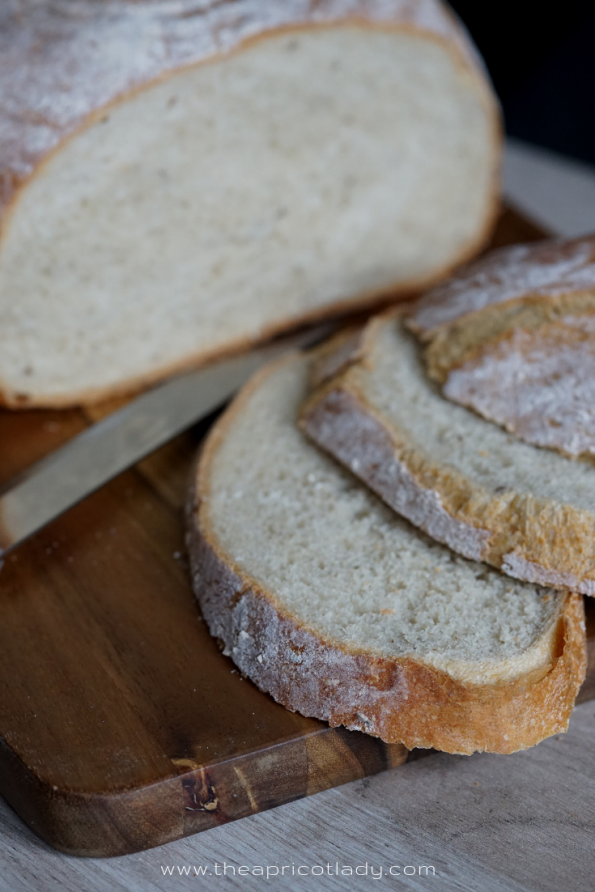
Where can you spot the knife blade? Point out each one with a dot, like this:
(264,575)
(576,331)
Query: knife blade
(66,476)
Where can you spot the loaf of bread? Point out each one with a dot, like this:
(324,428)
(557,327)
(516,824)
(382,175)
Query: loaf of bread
(513,337)
(180,179)
(343,611)
(465,481)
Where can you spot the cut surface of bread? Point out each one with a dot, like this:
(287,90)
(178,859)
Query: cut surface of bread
(465,481)
(513,337)
(341,610)
(313,162)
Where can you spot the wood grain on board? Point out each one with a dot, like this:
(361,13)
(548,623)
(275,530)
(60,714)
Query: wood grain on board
(121,725)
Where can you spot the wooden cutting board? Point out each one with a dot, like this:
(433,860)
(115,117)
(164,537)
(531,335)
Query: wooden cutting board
(121,725)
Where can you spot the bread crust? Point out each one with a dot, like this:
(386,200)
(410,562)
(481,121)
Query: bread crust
(513,532)
(515,287)
(44,47)
(512,337)
(536,383)
(400,700)
(550,275)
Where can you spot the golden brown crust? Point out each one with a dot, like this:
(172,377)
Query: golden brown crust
(528,537)
(47,47)
(512,337)
(398,700)
(519,286)
(535,382)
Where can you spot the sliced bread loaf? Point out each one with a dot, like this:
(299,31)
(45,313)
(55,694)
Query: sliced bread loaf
(181,179)
(513,337)
(463,480)
(343,611)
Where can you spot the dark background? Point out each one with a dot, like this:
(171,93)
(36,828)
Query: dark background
(542,61)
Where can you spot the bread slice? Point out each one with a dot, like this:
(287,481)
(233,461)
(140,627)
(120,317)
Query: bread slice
(179,180)
(460,478)
(513,337)
(341,610)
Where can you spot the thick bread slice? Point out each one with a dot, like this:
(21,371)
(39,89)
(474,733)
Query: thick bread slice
(341,610)
(179,180)
(463,480)
(513,337)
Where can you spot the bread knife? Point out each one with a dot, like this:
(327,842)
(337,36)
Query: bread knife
(66,476)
